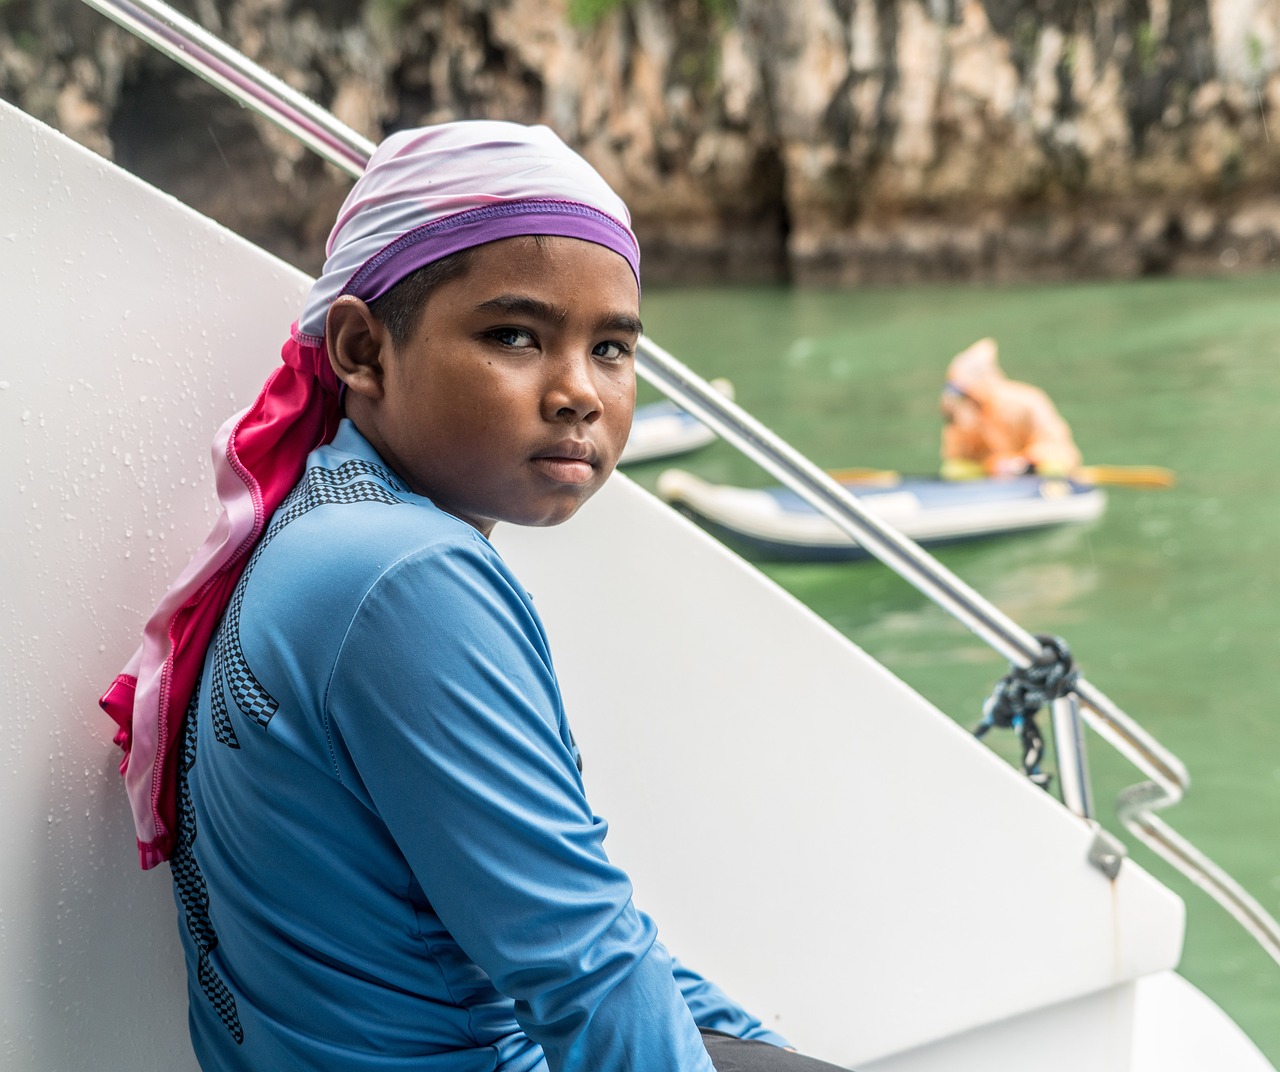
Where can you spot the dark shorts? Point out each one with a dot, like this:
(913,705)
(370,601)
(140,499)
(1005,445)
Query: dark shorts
(731,1054)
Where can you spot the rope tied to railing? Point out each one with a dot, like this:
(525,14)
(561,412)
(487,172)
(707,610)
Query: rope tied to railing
(1021,693)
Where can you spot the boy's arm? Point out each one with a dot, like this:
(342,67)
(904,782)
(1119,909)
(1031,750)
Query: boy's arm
(446,701)
(712,1008)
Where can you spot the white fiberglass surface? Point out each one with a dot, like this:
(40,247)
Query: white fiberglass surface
(135,328)
(1178,1029)
(1160,1023)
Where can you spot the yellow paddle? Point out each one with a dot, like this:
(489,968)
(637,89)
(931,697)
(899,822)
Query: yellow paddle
(880,478)
(1125,476)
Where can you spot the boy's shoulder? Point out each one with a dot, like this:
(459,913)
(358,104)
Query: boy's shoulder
(351,512)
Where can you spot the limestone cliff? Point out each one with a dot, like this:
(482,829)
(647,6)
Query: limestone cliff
(816,140)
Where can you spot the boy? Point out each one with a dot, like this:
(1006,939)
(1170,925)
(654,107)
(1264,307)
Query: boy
(382,852)
(996,426)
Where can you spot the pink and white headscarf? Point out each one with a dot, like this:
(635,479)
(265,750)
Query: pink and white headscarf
(425,194)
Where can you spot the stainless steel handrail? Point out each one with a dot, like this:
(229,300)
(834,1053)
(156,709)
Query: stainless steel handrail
(1073,768)
(250,85)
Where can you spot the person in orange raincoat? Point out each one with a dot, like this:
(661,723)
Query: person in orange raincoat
(996,426)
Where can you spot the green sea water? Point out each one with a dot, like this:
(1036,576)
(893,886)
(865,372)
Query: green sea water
(1171,602)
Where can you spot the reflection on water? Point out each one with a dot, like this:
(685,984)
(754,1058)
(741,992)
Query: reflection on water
(1171,601)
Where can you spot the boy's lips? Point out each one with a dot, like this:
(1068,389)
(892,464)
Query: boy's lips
(571,461)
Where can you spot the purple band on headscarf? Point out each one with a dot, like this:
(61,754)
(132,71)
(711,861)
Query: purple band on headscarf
(440,238)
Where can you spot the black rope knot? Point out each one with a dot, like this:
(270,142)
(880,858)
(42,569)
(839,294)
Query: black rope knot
(1022,692)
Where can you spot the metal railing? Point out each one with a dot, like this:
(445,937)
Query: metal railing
(252,86)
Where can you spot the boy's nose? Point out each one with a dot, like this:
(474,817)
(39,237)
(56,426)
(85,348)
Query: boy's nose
(572,394)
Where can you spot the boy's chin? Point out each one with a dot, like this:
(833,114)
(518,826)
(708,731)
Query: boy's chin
(553,518)
(558,513)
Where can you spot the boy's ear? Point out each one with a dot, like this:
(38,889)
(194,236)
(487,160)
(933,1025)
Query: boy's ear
(357,343)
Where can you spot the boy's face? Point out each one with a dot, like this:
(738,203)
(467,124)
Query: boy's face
(961,411)
(512,399)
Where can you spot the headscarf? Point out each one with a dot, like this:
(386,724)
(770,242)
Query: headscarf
(975,371)
(425,194)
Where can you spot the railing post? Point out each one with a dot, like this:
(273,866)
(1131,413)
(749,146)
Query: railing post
(1068,747)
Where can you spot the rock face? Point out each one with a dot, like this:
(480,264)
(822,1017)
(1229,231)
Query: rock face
(816,140)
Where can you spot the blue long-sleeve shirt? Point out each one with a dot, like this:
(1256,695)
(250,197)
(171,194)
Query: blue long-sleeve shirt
(387,860)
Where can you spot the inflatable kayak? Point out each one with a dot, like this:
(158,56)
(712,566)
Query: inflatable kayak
(775,523)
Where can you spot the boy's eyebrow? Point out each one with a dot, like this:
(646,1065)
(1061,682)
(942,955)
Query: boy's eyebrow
(522,305)
(624,322)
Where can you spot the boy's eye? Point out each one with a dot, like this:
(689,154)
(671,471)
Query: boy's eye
(611,351)
(516,338)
